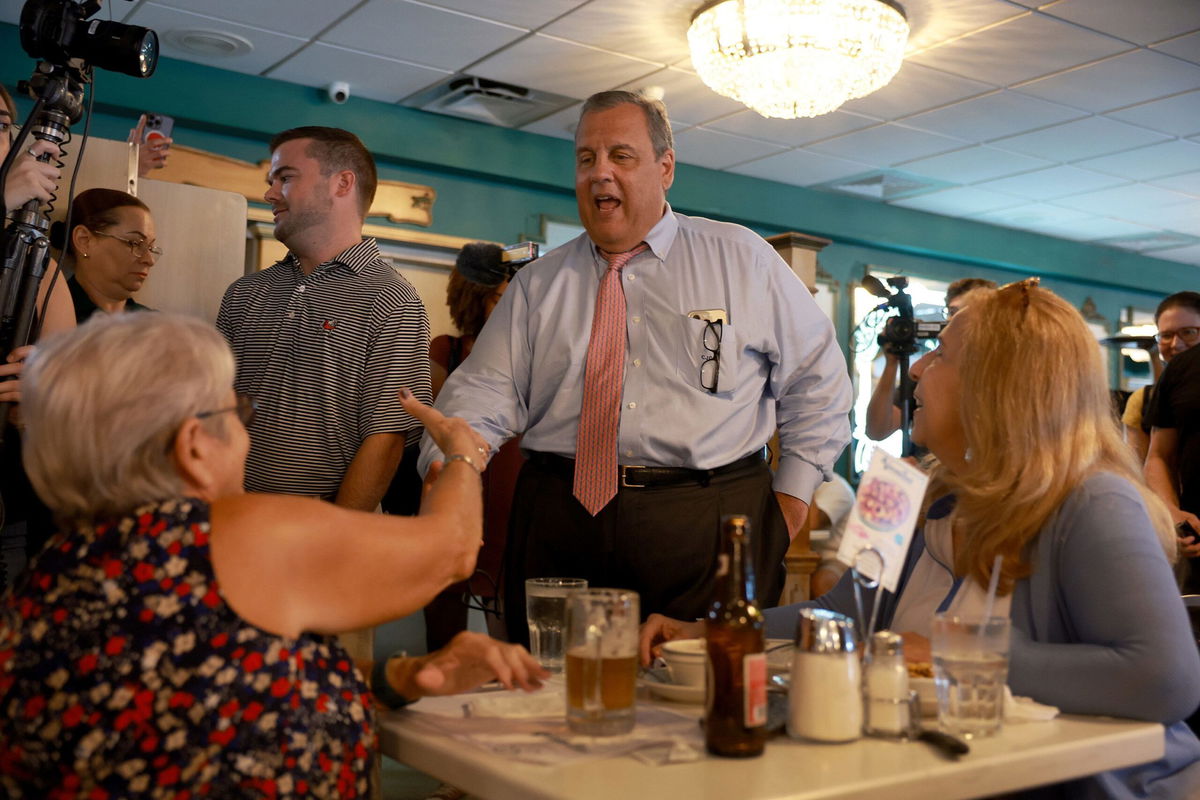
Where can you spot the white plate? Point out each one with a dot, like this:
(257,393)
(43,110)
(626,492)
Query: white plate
(674,692)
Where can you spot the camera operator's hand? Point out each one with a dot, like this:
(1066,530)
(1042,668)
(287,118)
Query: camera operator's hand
(152,154)
(29,178)
(10,390)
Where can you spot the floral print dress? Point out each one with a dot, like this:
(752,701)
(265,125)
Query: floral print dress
(124,673)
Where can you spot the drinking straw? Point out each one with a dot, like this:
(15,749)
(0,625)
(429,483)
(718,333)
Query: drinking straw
(991,598)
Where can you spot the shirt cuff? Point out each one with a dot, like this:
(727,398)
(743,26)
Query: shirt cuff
(798,478)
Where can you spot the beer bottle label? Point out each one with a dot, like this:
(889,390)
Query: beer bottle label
(754,677)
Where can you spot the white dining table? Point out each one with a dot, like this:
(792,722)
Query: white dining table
(1021,756)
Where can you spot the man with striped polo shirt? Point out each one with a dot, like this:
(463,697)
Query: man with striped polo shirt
(326,337)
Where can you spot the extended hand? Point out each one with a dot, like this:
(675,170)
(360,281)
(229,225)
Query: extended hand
(658,629)
(451,434)
(472,659)
(10,390)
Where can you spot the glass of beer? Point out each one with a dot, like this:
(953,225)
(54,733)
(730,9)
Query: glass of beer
(546,613)
(602,653)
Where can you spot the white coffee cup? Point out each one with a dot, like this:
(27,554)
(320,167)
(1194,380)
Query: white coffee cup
(686,661)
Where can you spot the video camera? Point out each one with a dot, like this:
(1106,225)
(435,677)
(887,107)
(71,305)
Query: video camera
(69,46)
(901,333)
(490,264)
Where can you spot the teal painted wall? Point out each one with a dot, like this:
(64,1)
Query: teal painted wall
(494,183)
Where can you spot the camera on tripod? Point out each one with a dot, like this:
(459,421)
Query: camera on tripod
(902,332)
(59,31)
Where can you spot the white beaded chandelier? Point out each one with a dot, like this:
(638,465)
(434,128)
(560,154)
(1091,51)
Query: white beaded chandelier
(797,58)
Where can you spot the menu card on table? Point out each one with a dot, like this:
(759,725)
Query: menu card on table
(884,516)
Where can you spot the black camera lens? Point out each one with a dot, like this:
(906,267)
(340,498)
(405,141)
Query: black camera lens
(58,31)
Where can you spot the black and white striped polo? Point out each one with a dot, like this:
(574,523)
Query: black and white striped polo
(324,356)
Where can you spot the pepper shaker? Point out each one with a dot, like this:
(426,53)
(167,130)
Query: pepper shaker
(886,695)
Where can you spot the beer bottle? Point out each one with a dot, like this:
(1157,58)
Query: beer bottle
(735,720)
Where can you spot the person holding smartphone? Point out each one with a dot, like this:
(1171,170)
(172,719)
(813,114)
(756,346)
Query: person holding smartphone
(153,134)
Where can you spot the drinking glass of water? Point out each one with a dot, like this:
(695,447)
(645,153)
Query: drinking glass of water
(970,669)
(546,612)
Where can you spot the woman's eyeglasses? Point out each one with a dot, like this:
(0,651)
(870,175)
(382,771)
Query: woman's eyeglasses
(246,408)
(1188,335)
(139,247)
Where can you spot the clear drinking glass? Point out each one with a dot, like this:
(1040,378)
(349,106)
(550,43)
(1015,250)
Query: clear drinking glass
(970,669)
(602,654)
(546,612)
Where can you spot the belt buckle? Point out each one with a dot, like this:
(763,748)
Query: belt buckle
(625,484)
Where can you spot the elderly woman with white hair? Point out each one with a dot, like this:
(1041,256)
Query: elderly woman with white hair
(176,634)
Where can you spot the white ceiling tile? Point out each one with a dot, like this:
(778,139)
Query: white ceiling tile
(1023,48)
(1188,183)
(959,202)
(1186,47)
(10,11)
(1093,228)
(373,77)
(1116,201)
(715,150)
(687,99)
(915,88)
(527,14)
(560,124)
(267,48)
(1031,215)
(282,16)
(1048,184)
(934,21)
(1146,163)
(420,34)
(1118,81)
(1181,217)
(972,165)
(792,132)
(991,116)
(575,70)
(1178,115)
(1084,138)
(800,168)
(621,26)
(886,145)
(1186,255)
(1142,21)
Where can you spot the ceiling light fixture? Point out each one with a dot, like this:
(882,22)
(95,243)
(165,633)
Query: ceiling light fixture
(797,58)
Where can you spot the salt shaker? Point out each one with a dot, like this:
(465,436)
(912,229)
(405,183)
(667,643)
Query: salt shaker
(886,697)
(825,699)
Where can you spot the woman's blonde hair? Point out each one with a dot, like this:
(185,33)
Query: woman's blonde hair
(1038,422)
(102,404)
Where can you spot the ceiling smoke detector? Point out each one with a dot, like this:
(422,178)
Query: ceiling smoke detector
(209,43)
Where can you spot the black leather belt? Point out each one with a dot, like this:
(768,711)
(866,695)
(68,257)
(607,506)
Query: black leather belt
(634,477)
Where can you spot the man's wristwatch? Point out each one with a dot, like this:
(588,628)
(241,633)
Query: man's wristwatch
(382,688)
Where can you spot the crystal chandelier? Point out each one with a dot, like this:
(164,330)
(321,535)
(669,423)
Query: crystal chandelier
(797,58)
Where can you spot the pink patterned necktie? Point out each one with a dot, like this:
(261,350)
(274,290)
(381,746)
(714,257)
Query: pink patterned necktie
(600,416)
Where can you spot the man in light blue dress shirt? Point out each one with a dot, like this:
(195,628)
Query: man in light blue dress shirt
(691,432)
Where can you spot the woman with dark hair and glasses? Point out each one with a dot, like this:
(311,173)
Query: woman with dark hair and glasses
(177,635)
(111,249)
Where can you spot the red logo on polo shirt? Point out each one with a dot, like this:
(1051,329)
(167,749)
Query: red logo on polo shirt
(329,324)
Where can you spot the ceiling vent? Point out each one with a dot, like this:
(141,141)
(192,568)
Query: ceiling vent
(884,184)
(488,101)
(1148,242)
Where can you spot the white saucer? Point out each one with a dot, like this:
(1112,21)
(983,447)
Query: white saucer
(673,691)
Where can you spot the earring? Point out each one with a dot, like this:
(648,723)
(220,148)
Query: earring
(85,255)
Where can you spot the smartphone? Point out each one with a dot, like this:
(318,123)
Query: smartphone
(157,126)
(1185,529)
